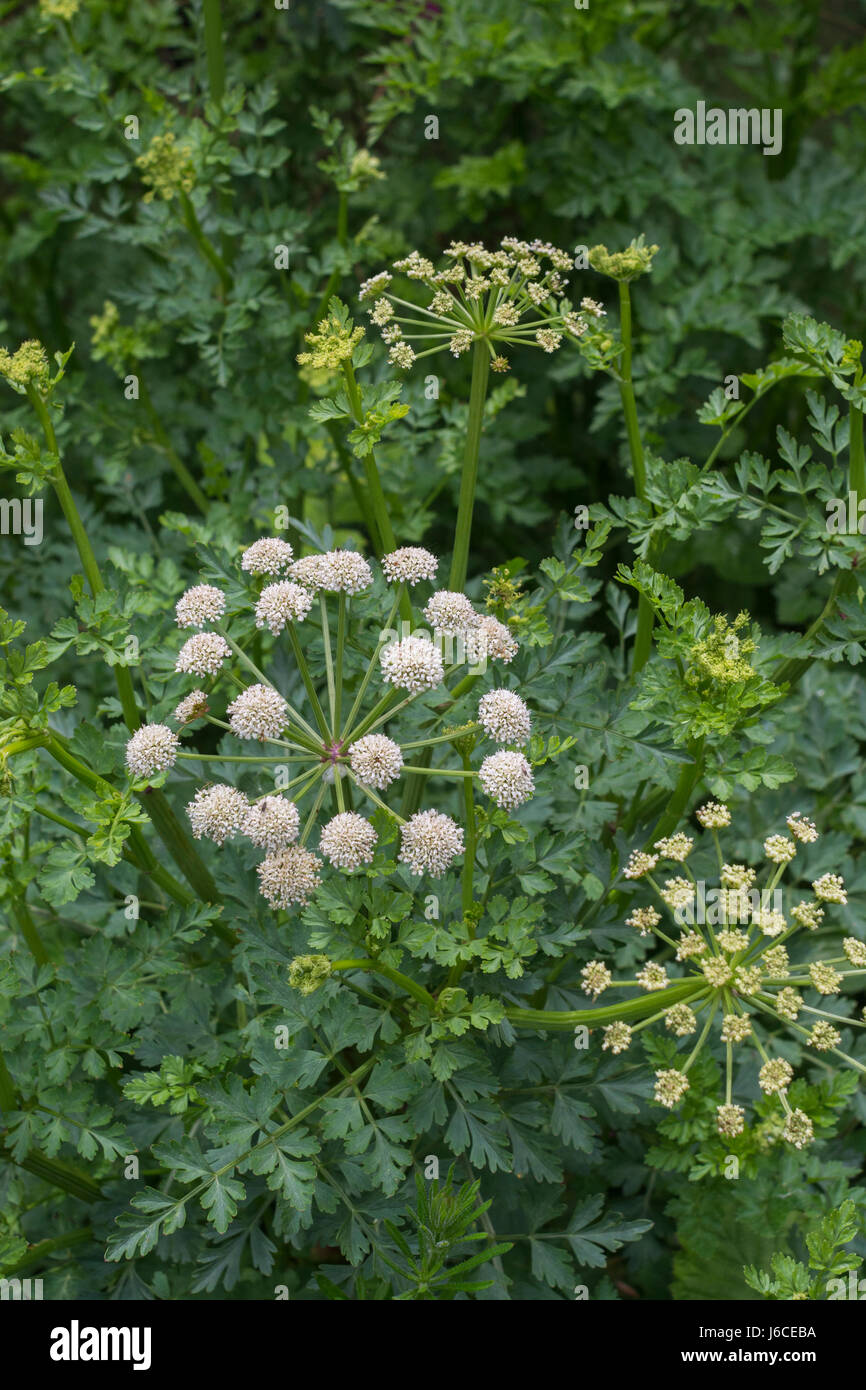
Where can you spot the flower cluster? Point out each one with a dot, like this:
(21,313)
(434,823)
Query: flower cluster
(734,943)
(28,364)
(339,758)
(511,296)
(166,168)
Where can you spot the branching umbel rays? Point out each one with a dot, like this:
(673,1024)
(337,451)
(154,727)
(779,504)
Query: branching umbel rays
(739,974)
(337,745)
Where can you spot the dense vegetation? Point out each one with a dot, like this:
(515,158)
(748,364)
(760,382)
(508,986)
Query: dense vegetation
(343,1086)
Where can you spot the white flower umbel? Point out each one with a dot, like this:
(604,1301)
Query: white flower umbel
(714,815)
(504,717)
(203,654)
(507,779)
(258,712)
(282,603)
(217,813)
(376,761)
(192,706)
(450,613)
(272,823)
(270,555)
(410,564)
(314,572)
(489,640)
(430,842)
(802,828)
(153,748)
(199,606)
(348,840)
(413,664)
(346,572)
(290,877)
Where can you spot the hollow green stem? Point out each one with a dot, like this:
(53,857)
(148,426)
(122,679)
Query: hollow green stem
(690,775)
(92,573)
(8,1096)
(329,663)
(57,1173)
(703,1036)
(371,795)
(301,660)
(395,976)
(384,540)
(213,41)
(611,1013)
(469,475)
(181,472)
(341,646)
(263,680)
(371,667)
(240,758)
(645,615)
(28,929)
(380,711)
(38,1253)
(204,244)
(314,809)
(171,832)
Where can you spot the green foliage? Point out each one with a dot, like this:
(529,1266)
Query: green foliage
(828,1263)
(176,1120)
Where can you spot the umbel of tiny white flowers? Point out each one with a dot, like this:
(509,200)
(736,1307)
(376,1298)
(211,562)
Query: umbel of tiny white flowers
(338,753)
(511,296)
(730,943)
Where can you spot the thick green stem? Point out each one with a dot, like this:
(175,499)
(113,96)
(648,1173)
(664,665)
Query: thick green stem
(329,663)
(57,1173)
(395,976)
(8,1096)
(27,926)
(39,1252)
(213,42)
(467,881)
(308,681)
(205,246)
(469,475)
(371,667)
(856,454)
(383,537)
(138,853)
(171,832)
(341,646)
(645,615)
(690,775)
(182,473)
(611,1013)
(336,274)
(179,845)
(177,842)
(64,496)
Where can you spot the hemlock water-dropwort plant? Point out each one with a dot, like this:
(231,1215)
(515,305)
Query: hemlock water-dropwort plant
(739,972)
(396,889)
(338,744)
(406,1043)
